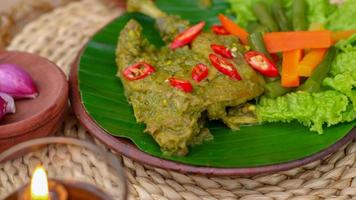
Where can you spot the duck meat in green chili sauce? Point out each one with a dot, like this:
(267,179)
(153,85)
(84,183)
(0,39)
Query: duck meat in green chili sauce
(174,112)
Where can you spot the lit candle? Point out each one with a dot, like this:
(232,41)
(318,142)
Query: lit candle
(39,185)
(42,188)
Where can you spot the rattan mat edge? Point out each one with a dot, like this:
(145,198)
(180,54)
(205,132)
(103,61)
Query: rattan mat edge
(60,34)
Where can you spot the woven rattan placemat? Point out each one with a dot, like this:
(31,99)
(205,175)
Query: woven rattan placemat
(60,34)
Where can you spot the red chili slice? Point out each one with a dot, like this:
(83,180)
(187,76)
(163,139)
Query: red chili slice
(200,72)
(219,30)
(224,66)
(261,63)
(182,85)
(222,51)
(138,71)
(187,36)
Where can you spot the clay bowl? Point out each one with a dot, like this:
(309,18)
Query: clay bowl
(43,115)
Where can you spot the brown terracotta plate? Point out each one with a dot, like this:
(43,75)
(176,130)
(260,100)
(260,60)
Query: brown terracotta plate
(40,116)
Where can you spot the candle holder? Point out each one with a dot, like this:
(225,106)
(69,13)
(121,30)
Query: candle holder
(60,188)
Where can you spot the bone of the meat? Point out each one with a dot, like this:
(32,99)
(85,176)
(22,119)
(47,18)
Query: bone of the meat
(168,25)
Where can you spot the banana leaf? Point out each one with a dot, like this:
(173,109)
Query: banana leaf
(103,97)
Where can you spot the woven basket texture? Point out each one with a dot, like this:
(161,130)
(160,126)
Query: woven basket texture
(15,17)
(58,36)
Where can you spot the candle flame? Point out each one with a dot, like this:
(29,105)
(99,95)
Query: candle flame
(39,184)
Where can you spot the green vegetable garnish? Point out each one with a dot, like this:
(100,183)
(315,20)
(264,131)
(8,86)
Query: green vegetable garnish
(280,16)
(265,17)
(313,83)
(336,104)
(274,89)
(257,44)
(344,17)
(299,17)
(328,97)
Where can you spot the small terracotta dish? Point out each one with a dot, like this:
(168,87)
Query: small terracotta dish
(37,117)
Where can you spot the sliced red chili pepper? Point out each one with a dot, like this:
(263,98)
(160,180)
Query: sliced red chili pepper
(200,72)
(261,63)
(138,71)
(219,30)
(222,51)
(187,36)
(224,66)
(182,85)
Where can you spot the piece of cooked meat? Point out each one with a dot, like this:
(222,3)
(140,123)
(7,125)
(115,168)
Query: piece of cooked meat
(174,118)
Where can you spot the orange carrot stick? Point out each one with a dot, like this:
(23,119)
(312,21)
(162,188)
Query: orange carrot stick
(287,41)
(310,61)
(290,62)
(341,35)
(233,28)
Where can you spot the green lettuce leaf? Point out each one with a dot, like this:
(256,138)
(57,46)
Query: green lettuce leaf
(243,12)
(311,109)
(350,114)
(344,17)
(320,10)
(343,70)
(343,83)
(242,9)
(343,74)
(347,45)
